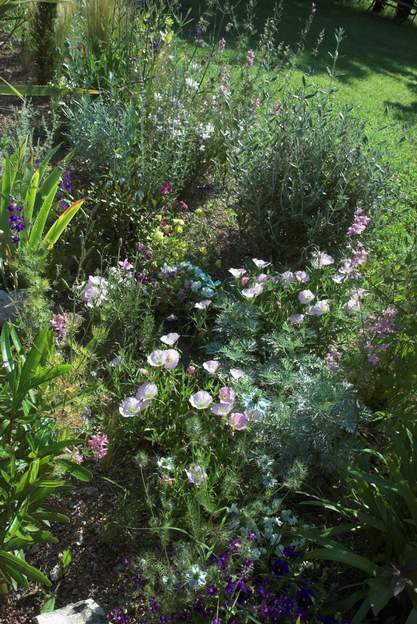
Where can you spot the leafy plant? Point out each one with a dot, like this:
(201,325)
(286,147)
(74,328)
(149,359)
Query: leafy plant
(380,507)
(30,454)
(28,196)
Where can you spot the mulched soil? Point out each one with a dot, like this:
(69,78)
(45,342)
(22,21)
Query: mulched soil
(92,572)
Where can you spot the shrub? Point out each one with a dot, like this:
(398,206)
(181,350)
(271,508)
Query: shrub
(300,170)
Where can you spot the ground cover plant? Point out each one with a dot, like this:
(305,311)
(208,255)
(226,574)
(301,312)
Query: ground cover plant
(209,323)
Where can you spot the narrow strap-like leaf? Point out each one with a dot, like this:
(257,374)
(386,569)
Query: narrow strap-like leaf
(61,223)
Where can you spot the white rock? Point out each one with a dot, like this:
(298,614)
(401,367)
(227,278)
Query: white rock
(83,612)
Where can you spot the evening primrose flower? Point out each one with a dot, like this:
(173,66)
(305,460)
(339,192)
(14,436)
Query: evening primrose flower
(130,407)
(201,400)
(170,339)
(260,264)
(254,291)
(321,259)
(305,297)
(239,421)
(156,358)
(302,277)
(237,373)
(352,305)
(296,319)
(171,358)
(146,392)
(211,366)
(203,305)
(227,395)
(237,273)
(288,278)
(222,409)
(320,308)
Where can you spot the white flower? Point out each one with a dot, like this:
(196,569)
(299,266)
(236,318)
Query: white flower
(94,292)
(171,317)
(254,291)
(191,83)
(260,264)
(172,357)
(130,407)
(211,366)
(321,259)
(305,297)
(156,358)
(237,373)
(320,308)
(201,400)
(195,577)
(170,339)
(203,305)
(237,273)
(146,392)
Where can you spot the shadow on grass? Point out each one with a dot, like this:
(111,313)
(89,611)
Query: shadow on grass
(373,44)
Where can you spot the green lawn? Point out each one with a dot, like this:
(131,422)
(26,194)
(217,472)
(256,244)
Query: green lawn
(377,66)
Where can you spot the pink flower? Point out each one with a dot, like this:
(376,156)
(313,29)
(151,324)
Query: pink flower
(305,297)
(190,370)
(250,58)
(239,421)
(201,400)
(359,224)
(296,319)
(227,395)
(333,359)
(98,444)
(166,188)
(244,281)
(126,268)
(58,324)
(78,457)
(221,45)
(222,409)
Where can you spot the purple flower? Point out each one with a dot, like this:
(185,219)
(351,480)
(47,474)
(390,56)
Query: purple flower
(212,590)
(58,324)
(291,553)
(136,580)
(118,617)
(359,224)
(280,567)
(235,545)
(251,536)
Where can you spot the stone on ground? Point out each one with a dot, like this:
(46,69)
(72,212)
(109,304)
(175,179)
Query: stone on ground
(83,612)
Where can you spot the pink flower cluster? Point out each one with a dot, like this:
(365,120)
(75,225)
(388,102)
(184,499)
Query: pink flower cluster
(359,224)
(379,330)
(58,324)
(99,445)
(333,359)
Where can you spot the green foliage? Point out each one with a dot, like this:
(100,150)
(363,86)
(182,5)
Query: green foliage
(380,508)
(30,450)
(35,189)
(41,37)
(300,173)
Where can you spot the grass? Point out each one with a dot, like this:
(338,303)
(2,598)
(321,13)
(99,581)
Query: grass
(376,70)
